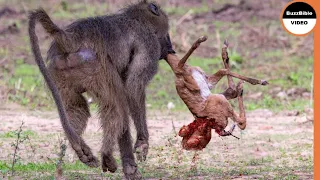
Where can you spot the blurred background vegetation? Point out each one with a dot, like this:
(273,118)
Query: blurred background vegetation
(259,47)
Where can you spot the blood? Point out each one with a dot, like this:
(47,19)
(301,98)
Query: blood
(197,134)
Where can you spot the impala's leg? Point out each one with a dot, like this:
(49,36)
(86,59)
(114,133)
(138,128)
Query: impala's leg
(193,47)
(239,119)
(215,78)
(225,59)
(229,93)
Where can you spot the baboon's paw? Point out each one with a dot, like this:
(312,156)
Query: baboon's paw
(141,150)
(85,155)
(93,162)
(109,164)
(131,172)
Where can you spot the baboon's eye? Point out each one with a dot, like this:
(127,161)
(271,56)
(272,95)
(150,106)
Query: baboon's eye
(154,9)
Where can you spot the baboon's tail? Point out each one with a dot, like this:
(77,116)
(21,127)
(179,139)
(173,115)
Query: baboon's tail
(58,34)
(76,141)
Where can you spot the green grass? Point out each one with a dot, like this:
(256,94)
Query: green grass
(13,134)
(28,88)
(76,11)
(178,10)
(261,167)
(29,169)
(25,84)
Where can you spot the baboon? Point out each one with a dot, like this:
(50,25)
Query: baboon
(211,111)
(112,58)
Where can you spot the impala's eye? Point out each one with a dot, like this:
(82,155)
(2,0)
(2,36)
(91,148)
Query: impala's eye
(154,9)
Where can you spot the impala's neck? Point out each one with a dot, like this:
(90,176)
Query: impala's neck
(173,61)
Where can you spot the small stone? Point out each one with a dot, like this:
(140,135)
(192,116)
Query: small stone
(170,105)
(275,90)
(282,95)
(257,95)
(306,95)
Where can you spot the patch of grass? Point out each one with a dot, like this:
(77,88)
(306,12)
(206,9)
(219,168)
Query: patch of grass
(180,11)
(48,167)
(24,133)
(27,86)
(79,10)
(29,89)
(175,10)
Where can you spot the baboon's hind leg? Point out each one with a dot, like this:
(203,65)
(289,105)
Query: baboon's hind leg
(78,113)
(106,115)
(111,117)
(77,110)
(130,168)
(136,84)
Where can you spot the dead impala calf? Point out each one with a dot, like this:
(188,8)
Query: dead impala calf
(210,110)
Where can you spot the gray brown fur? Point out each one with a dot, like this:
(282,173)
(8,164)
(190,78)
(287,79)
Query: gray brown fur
(126,48)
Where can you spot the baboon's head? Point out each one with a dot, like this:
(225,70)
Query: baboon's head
(151,14)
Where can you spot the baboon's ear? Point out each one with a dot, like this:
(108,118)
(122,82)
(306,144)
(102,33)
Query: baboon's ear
(154,9)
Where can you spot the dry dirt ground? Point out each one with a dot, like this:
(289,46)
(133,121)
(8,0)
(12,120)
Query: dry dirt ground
(273,146)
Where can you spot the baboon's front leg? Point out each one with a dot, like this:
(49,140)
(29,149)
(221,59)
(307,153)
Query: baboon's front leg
(138,113)
(140,72)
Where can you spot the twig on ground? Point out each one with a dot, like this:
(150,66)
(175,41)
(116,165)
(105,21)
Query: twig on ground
(193,166)
(31,145)
(62,153)
(171,106)
(16,147)
(184,17)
